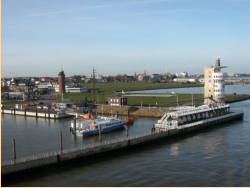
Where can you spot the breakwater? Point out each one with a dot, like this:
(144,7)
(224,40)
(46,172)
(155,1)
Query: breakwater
(30,164)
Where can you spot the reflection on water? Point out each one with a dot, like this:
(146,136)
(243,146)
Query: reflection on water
(174,149)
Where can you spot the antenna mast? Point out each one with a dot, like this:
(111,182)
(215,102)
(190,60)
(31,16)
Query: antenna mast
(94,71)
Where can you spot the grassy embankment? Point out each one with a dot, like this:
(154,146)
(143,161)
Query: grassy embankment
(110,90)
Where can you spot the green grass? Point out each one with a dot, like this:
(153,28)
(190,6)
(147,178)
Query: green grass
(109,90)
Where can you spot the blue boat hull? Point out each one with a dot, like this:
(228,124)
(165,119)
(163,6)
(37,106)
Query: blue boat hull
(96,131)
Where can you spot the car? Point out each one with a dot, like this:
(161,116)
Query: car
(27,104)
(39,107)
(41,102)
(58,109)
(47,106)
(32,104)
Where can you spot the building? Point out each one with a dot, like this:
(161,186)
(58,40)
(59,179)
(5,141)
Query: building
(21,86)
(214,87)
(116,101)
(155,77)
(61,80)
(231,74)
(69,104)
(185,80)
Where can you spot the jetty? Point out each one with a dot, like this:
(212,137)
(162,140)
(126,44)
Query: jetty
(182,121)
(50,114)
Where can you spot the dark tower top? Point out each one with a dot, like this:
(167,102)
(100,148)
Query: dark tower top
(217,62)
(61,72)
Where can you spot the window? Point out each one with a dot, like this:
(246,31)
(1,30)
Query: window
(110,100)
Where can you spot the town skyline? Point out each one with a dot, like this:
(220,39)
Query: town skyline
(116,37)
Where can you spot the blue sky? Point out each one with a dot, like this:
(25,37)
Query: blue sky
(40,37)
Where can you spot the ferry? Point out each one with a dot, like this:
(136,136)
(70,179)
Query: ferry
(104,123)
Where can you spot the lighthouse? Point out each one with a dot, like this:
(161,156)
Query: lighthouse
(61,80)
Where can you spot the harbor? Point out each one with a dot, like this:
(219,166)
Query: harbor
(204,116)
(72,145)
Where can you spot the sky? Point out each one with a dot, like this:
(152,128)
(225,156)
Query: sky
(38,38)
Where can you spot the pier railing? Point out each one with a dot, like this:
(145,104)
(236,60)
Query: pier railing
(74,149)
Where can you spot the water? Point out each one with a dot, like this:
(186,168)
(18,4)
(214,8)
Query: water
(216,156)
(229,89)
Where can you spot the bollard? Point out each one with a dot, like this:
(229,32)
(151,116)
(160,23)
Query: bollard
(14,149)
(61,147)
(100,134)
(36,112)
(48,114)
(25,112)
(14,111)
(74,127)
(45,115)
(3,110)
(116,115)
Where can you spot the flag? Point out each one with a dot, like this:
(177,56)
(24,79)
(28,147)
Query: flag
(123,92)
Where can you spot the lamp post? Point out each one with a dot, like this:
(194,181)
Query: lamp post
(192,99)
(177,100)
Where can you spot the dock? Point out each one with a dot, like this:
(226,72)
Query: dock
(37,113)
(178,126)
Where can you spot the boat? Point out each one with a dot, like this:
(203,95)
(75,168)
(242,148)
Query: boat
(104,123)
(87,117)
(129,121)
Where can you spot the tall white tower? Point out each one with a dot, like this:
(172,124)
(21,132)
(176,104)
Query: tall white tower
(214,87)
(219,82)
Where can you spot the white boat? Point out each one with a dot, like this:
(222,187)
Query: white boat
(92,126)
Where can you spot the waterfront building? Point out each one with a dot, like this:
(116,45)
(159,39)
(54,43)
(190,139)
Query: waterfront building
(116,101)
(61,80)
(214,87)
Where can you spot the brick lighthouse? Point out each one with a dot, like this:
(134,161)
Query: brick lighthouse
(61,80)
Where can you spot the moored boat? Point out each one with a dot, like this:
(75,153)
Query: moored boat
(129,121)
(87,117)
(106,124)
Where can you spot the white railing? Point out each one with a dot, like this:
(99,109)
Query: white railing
(74,149)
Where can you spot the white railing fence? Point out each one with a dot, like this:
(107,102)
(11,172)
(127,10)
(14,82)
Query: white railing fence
(74,149)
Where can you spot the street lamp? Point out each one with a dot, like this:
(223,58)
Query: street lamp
(177,100)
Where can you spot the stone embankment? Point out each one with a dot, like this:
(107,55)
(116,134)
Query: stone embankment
(239,98)
(131,111)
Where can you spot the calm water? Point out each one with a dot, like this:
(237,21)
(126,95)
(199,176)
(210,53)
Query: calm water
(218,156)
(239,89)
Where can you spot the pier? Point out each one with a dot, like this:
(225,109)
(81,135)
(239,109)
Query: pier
(53,159)
(37,113)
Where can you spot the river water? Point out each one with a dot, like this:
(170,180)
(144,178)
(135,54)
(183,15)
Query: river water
(216,156)
(229,89)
